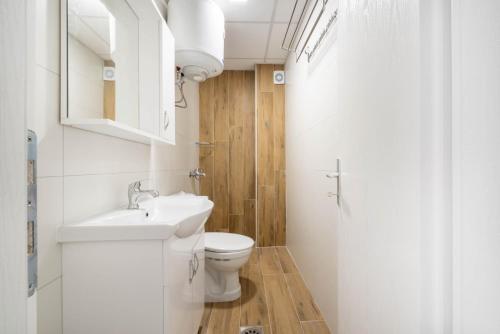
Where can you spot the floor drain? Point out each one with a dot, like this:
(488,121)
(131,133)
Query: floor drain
(252,330)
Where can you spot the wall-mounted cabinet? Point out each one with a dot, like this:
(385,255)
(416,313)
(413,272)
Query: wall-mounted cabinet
(118,69)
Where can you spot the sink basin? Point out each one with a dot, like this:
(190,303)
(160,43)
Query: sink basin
(159,218)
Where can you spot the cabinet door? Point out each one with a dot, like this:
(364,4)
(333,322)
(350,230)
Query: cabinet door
(167,110)
(198,284)
(179,295)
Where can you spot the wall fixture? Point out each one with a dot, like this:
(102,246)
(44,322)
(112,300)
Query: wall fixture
(293,37)
(204,143)
(179,83)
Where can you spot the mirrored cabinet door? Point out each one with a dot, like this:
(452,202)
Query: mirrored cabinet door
(119,69)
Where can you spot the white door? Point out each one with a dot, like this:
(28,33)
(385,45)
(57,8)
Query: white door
(13,275)
(378,130)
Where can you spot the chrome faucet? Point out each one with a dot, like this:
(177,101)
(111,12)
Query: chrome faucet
(197,173)
(135,192)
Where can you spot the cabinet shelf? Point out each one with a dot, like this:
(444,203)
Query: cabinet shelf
(115,129)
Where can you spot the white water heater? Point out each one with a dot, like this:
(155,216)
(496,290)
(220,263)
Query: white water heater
(198,29)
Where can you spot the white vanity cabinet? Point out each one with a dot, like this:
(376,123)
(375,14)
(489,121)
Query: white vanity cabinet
(130,287)
(136,271)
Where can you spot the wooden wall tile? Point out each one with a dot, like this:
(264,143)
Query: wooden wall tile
(236,171)
(265,216)
(206,91)
(249,175)
(220,215)
(279,127)
(265,135)
(206,158)
(280,208)
(278,67)
(236,224)
(109,99)
(221,112)
(270,156)
(236,97)
(249,135)
(227,118)
(249,220)
(249,92)
(265,77)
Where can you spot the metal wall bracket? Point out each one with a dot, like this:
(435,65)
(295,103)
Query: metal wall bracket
(31,205)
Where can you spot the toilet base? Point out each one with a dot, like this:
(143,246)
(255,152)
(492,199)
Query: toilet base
(221,286)
(225,297)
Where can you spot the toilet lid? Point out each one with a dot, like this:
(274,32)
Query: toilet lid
(220,242)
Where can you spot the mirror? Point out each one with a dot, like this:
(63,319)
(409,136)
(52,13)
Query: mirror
(118,69)
(103,61)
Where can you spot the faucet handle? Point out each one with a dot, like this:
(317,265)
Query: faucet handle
(134,186)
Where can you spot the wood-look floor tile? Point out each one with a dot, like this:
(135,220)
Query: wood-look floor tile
(281,310)
(205,318)
(253,300)
(225,318)
(253,262)
(286,260)
(269,261)
(303,301)
(315,327)
(254,257)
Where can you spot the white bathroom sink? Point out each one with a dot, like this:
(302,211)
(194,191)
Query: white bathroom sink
(160,218)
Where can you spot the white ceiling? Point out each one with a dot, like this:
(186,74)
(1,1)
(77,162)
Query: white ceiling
(254,31)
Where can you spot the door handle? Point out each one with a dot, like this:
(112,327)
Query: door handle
(337,175)
(191,271)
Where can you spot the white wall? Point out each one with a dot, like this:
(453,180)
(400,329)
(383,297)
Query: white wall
(83,174)
(359,101)
(476,164)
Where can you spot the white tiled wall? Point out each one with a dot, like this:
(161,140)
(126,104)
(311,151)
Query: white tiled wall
(82,174)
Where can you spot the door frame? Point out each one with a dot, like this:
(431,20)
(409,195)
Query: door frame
(13,100)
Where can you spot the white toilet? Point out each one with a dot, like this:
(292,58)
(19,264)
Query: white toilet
(225,254)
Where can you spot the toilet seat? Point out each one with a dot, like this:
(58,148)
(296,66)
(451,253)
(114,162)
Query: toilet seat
(220,242)
(226,256)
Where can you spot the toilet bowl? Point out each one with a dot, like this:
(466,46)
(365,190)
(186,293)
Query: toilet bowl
(225,254)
